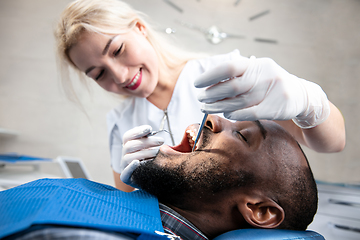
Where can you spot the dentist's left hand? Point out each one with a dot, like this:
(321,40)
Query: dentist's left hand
(137,147)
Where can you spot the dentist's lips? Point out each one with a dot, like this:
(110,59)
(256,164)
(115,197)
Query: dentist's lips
(135,82)
(186,144)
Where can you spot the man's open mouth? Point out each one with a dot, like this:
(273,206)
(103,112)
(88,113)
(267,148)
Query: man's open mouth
(188,140)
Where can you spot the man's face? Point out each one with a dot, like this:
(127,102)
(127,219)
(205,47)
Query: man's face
(228,155)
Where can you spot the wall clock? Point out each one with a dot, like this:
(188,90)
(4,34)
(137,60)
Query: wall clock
(213,33)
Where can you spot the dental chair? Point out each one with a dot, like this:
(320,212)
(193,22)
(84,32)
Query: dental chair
(269,234)
(76,204)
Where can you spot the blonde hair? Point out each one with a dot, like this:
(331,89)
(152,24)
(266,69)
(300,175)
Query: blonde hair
(107,17)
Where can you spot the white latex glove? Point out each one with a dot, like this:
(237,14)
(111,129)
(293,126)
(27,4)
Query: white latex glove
(137,147)
(261,89)
(127,173)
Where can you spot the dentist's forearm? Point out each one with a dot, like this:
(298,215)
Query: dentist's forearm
(327,137)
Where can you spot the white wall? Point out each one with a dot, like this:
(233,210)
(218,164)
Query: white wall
(31,101)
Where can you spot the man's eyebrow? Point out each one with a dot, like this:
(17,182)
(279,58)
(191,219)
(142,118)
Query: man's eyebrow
(262,129)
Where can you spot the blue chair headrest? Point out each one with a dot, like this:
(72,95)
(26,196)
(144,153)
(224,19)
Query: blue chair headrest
(269,234)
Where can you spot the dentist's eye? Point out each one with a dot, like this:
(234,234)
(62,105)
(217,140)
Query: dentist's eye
(99,75)
(242,136)
(118,50)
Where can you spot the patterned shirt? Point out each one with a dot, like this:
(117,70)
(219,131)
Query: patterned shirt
(176,224)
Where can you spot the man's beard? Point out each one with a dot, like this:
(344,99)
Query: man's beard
(180,186)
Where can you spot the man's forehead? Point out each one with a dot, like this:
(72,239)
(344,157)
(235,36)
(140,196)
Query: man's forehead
(286,143)
(275,136)
(271,126)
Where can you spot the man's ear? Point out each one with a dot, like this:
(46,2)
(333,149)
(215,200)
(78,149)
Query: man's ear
(141,28)
(262,212)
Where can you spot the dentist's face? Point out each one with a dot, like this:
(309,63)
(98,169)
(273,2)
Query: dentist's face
(229,155)
(125,64)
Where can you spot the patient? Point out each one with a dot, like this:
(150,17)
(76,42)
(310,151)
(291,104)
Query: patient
(241,175)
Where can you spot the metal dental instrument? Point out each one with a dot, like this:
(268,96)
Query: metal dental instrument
(156,132)
(199,132)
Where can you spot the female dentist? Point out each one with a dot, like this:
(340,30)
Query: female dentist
(110,42)
(249,89)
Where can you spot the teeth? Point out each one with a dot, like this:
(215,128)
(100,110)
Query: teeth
(191,135)
(135,80)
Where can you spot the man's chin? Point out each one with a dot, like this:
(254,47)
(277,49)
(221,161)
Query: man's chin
(167,185)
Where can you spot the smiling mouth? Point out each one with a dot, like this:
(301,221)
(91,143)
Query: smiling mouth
(135,82)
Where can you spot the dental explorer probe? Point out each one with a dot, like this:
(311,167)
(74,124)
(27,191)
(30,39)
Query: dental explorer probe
(199,132)
(156,132)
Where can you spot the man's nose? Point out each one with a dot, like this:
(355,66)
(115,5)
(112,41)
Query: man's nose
(215,123)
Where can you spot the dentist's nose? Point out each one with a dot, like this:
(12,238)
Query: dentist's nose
(118,78)
(215,123)
(118,74)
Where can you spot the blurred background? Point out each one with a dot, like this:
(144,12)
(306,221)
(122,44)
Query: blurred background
(318,40)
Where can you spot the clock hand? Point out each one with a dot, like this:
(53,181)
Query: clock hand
(215,36)
(191,26)
(174,5)
(212,34)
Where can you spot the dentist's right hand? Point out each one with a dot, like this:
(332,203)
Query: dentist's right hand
(137,147)
(258,88)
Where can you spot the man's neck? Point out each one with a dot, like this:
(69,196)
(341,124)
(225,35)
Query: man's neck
(213,221)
